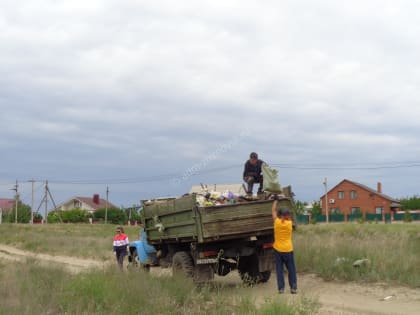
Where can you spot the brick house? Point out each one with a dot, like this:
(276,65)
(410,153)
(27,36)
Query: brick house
(349,197)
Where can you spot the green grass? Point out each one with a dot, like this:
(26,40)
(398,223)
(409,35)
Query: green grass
(392,249)
(80,240)
(33,289)
(330,250)
(326,250)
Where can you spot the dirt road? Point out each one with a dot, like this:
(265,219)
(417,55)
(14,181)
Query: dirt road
(72,264)
(342,298)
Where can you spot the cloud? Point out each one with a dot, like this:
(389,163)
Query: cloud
(106,89)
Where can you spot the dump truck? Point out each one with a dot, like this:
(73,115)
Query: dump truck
(201,241)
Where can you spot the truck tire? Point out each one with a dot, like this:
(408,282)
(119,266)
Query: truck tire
(133,258)
(135,262)
(182,263)
(248,270)
(265,276)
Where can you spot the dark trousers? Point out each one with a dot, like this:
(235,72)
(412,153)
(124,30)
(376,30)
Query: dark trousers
(250,180)
(288,260)
(120,258)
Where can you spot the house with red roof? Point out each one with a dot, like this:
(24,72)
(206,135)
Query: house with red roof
(90,204)
(349,197)
(6,204)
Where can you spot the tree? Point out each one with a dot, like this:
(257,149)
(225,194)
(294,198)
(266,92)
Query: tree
(54,217)
(23,214)
(75,215)
(132,213)
(410,203)
(300,207)
(316,208)
(407,216)
(114,215)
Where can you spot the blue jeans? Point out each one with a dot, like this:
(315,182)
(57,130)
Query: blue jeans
(288,260)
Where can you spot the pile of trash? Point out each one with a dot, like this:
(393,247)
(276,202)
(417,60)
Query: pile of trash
(216,198)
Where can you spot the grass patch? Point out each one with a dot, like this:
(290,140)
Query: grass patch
(330,250)
(33,289)
(80,240)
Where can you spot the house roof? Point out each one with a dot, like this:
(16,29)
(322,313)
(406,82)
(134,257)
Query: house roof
(235,188)
(102,203)
(89,201)
(373,191)
(6,204)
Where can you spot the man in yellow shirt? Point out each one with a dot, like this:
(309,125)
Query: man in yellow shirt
(283,247)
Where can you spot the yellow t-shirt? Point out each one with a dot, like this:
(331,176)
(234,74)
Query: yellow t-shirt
(283,236)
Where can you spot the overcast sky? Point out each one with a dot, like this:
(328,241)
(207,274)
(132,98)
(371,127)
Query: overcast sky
(150,97)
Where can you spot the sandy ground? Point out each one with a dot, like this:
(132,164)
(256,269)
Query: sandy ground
(335,297)
(343,297)
(72,264)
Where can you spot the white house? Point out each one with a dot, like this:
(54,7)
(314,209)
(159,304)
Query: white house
(90,204)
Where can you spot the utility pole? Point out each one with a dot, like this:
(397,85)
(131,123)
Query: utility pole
(46,201)
(106,205)
(326,200)
(32,204)
(15,188)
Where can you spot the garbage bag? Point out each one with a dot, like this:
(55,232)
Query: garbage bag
(270,179)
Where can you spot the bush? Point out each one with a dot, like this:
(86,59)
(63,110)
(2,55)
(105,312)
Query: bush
(133,214)
(54,217)
(68,216)
(407,216)
(23,214)
(114,216)
(74,216)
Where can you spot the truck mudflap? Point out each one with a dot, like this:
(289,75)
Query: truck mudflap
(266,260)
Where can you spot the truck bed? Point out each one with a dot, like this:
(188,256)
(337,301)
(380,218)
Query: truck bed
(181,220)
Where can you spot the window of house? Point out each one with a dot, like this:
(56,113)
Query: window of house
(356,210)
(379,210)
(341,195)
(353,194)
(335,210)
(77,204)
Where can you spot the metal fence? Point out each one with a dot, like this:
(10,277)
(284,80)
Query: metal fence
(333,218)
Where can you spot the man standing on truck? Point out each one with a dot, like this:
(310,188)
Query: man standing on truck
(283,247)
(252,173)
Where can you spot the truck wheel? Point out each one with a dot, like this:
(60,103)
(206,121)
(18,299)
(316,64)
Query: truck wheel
(133,258)
(182,264)
(265,276)
(248,269)
(135,262)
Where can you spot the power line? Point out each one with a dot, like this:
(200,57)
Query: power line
(346,167)
(196,171)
